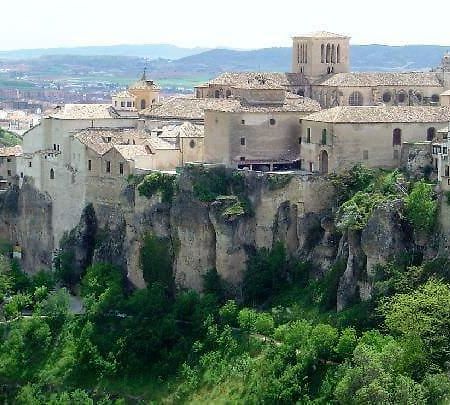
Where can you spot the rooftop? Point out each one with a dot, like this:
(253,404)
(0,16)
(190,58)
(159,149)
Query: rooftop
(184,108)
(85,112)
(185,130)
(322,34)
(382,114)
(11,151)
(102,140)
(271,79)
(291,104)
(426,79)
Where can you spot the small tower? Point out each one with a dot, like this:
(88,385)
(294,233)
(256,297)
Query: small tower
(320,53)
(445,68)
(145,91)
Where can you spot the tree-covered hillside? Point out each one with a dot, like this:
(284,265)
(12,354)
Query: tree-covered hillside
(281,341)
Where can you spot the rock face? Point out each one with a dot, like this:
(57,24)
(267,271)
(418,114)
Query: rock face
(297,210)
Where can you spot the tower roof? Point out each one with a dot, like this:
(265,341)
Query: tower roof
(323,34)
(144,83)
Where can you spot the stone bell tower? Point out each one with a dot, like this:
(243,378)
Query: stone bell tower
(320,53)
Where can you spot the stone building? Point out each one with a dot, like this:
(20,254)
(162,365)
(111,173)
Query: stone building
(338,138)
(321,70)
(9,162)
(259,130)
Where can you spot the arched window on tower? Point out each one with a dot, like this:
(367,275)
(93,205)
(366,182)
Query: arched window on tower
(328,53)
(322,53)
(52,174)
(142,104)
(333,54)
(217,94)
(397,137)
(338,54)
(228,93)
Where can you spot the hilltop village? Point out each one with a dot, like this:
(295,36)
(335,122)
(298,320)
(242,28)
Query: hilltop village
(318,118)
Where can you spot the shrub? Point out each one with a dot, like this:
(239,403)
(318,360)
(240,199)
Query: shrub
(158,182)
(421,207)
(156,260)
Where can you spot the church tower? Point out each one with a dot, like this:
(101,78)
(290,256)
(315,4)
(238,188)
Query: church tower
(321,53)
(145,91)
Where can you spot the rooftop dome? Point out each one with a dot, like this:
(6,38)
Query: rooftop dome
(143,84)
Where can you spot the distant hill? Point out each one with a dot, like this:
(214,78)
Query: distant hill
(363,58)
(151,51)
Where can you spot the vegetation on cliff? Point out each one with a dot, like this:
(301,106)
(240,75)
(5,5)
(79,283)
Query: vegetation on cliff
(281,342)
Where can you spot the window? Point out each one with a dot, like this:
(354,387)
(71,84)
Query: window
(8,160)
(54,146)
(300,140)
(217,94)
(52,174)
(324,136)
(243,122)
(9,172)
(365,154)
(355,98)
(322,53)
(328,53)
(122,104)
(192,144)
(338,52)
(397,137)
(387,97)
(89,165)
(228,93)
(272,121)
(431,133)
(308,135)
(311,166)
(120,168)
(333,54)
(108,139)
(444,150)
(435,98)
(401,97)
(108,166)
(243,141)
(242,158)
(29,164)
(21,175)
(129,103)
(447,171)
(115,103)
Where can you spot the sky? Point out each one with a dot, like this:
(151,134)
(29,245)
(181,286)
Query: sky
(242,24)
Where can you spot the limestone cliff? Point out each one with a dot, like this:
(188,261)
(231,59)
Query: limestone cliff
(218,231)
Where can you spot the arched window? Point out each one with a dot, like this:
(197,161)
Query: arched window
(298,53)
(333,54)
(387,97)
(328,53)
(217,94)
(401,97)
(322,53)
(52,174)
(228,93)
(397,137)
(306,53)
(431,133)
(338,54)
(142,104)
(355,98)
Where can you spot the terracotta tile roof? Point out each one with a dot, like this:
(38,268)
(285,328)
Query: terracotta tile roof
(291,104)
(102,140)
(391,79)
(185,130)
(129,152)
(188,108)
(382,114)
(11,151)
(242,79)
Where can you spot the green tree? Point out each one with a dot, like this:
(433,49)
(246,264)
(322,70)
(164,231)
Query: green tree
(421,207)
